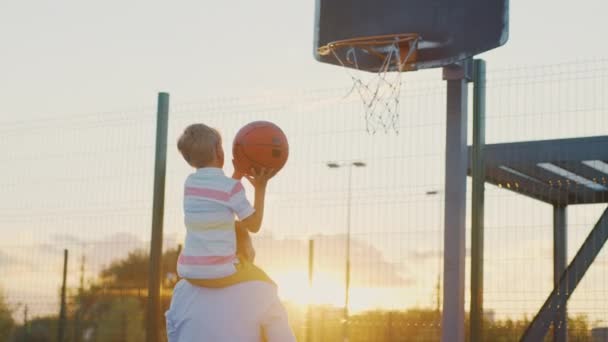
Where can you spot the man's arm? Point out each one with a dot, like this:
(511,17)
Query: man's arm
(275,324)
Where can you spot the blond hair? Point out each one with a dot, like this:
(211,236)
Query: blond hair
(198,144)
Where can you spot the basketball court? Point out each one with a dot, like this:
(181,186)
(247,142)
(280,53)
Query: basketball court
(443,164)
(384,37)
(389,39)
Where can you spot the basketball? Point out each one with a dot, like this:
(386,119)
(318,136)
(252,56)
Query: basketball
(260,144)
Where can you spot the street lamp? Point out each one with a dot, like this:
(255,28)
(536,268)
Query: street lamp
(349,165)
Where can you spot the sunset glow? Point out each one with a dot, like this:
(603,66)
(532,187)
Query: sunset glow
(328,289)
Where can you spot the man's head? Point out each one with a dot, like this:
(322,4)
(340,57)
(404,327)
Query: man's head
(201,146)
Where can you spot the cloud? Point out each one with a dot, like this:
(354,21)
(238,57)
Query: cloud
(425,255)
(16,261)
(98,253)
(102,252)
(369,267)
(66,239)
(5,259)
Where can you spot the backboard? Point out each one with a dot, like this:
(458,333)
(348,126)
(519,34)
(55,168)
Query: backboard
(448,30)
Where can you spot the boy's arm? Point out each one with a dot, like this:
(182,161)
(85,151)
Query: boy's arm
(244,245)
(254,221)
(259,180)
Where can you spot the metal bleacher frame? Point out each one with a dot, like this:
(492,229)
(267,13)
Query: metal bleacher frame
(561,173)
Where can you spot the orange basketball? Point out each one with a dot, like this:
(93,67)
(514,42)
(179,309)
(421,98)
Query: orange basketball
(260,144)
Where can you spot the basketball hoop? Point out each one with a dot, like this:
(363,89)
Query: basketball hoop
(380,93)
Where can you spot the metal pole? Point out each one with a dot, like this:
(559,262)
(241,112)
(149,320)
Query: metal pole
(311,258)
(568,281)
(560,259)
(62,310)
(457,77)
(478,198)
(26,323)
(154,323)
(347,271)
(78,313)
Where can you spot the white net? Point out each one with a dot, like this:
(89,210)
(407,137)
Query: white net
(379,92)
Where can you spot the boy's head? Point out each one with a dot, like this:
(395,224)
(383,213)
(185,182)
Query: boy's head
(201,146)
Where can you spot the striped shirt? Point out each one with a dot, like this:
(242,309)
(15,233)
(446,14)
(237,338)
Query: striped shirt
(211,201)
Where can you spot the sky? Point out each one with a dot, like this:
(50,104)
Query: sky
(74,57)
(79,81)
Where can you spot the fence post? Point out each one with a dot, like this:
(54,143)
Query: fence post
(478,199)
(309,318)
(62,310)
(158,207)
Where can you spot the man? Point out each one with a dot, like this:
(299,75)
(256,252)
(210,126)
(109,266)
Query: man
(245,312)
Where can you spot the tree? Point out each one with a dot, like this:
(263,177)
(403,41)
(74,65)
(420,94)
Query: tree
(132,272)
(112,309)
(122,321)
(7,323)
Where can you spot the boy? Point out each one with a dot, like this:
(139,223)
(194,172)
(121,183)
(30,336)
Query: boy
(211,201)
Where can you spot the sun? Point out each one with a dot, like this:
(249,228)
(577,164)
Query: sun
(328,289)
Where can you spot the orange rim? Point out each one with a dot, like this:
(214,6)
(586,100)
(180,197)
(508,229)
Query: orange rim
(372,45)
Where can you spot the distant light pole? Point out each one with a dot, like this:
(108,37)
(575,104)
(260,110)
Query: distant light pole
(350,165)
(437,192)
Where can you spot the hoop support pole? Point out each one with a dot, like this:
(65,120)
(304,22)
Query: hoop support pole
(477,199)
(456,160)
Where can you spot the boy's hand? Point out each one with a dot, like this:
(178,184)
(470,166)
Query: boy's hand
(237,174)
(260,179)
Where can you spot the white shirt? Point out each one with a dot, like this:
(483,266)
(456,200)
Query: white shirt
(211,201)
(238,313)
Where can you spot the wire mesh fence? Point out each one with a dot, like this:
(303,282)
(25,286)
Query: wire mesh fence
(84,183)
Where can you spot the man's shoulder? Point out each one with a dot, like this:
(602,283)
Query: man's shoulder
(249,288)
(202,313)
(253,295)
(198,313)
